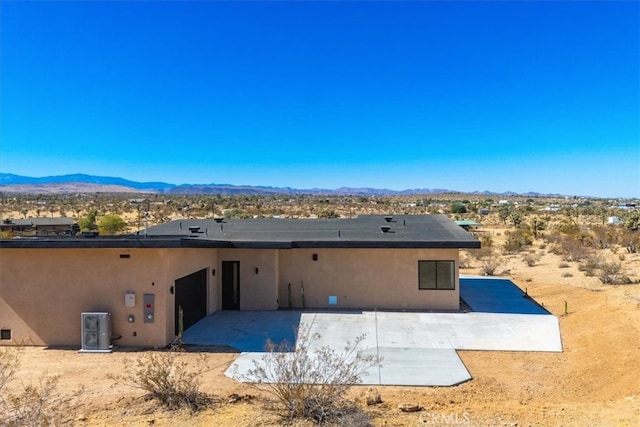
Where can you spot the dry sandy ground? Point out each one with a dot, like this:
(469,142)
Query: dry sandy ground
(594,382)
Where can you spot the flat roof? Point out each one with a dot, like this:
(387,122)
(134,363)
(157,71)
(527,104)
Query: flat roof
(364,231)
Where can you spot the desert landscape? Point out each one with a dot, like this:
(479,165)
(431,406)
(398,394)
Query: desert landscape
(562,251)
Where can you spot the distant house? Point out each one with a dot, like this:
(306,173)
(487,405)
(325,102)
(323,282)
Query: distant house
(613,220)
(41,226)
(627,206)
(468,225)
(407,262)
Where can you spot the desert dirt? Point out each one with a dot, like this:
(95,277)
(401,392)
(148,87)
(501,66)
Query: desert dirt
(595,381)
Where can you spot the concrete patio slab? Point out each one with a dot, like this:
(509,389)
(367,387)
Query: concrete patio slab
(497,295)
(418,348)
(400,366)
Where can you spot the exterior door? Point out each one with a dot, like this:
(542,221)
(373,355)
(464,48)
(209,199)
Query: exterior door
(191,295)
(231,285)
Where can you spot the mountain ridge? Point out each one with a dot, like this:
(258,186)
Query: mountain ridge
(67,183)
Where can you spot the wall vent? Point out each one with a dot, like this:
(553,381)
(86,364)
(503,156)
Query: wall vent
(385,228)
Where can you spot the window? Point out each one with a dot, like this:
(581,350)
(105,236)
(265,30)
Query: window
(436,275)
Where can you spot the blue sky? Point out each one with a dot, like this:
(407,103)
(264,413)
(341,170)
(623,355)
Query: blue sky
(500,96)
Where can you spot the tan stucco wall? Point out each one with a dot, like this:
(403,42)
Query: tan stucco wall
(362,278)
(257,291)
(44,291)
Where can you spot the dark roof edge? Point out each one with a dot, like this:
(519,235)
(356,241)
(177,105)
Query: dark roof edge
(158,243)
(107,243)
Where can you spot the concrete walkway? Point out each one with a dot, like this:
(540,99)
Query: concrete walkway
(417,348)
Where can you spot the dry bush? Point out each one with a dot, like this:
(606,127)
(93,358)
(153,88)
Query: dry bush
(612,273)
(32,405)
(573,250)
(606,236)
(490,264)
(563,265)
(516,240)
(167,378)
(590,264)
(530,259)
(567,274)
(308,382)
(9,363)
(465,260)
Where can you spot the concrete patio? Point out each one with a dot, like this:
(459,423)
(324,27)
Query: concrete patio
(417,348)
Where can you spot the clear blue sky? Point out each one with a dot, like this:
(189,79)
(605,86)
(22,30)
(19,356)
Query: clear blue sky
(522,96)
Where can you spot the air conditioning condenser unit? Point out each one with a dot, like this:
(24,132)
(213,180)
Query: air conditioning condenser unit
(96,333)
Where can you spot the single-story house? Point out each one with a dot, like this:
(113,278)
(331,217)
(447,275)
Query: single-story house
(406,262)
(41,226)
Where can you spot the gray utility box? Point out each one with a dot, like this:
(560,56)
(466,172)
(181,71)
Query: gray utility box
(96,333)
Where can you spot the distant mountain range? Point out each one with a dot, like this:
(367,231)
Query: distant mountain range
(81,183)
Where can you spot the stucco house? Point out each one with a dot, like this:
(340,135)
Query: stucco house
(406,262)
(41,226)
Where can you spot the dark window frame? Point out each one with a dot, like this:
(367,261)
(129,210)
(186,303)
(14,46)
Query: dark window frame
(449,267)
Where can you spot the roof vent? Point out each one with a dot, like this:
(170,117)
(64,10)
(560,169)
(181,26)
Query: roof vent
(388,218)
(194,229)
(385,228)
(219,219)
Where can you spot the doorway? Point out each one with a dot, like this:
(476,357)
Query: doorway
(191,295)
(231,285)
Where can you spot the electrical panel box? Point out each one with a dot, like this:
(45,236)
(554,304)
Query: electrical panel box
(96,332)
(130,299)
(149,308)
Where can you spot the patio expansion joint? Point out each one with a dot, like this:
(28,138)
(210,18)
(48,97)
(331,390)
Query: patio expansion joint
(377,348)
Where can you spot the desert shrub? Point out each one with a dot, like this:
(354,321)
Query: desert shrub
(9,363)
(567,274)
(486,241)
(572,250)
(167,378)
(111,224)
(308,382)
(569,228)
(490,264)
(32,405)
(606,236)
(328,213)
(482,253)
(590,265)
(465,260)
(516,240)
(530,259)
(563,265)
(612,273)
